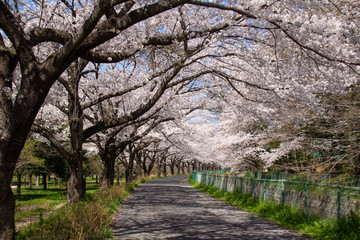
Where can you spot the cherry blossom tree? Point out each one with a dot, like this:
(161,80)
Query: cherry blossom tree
(116,142)
(273,46)
(85,27)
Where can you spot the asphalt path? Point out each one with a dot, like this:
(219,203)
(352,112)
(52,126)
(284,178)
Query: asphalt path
(170,208)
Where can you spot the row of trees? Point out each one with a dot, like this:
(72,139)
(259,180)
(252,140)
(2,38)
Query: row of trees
(201,75)
(138,158)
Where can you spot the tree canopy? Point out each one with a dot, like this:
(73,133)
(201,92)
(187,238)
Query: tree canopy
(228,83)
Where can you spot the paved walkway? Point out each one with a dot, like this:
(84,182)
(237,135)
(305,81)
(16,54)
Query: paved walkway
(169,208)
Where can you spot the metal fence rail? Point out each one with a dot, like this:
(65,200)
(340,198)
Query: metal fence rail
(325,200)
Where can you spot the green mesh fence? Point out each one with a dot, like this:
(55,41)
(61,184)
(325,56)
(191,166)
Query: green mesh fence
(332,179)
(325,200)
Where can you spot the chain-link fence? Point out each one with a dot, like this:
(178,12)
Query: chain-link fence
(325,200)
(332,179)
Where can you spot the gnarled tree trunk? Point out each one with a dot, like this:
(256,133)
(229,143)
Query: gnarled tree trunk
(76,187)
(108,174)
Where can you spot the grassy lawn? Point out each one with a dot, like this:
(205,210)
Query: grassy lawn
(36,201)
(87,219)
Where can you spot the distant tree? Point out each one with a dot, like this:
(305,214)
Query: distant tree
(28,162)
(93,166)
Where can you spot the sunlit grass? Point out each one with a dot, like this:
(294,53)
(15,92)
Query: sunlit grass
(36,200)
(88,219)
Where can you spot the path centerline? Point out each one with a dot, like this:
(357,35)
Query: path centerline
(170,208)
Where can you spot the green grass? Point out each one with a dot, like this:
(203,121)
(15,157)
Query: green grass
(36,201)
(88,219)
(347,227)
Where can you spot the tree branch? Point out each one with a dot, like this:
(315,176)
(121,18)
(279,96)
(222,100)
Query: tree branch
(295,40)
(54,141)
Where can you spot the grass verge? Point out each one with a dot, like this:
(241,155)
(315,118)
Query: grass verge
(347,228)
(88,219)
(36,201)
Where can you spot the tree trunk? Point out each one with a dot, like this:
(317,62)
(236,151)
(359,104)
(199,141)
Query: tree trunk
(150,167)
(129,172)
(76,183)
(12,140)
(178,169)
(144,166)
(172,168)
(118,174)
(138,161)
(37,181)
(16,119)
(108,175)
(130,167)
(13,132)
(60,181)
(159,168)
(7,211)
(164,168)
(44,181)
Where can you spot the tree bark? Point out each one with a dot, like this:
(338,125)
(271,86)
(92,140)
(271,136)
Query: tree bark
(183,167)
(159,168)
(76,187)
(37,181)
(108,175)
(7,211)
(129,171)
(172,168)
(44,181)
(150,166)
(164,168)
(129,168)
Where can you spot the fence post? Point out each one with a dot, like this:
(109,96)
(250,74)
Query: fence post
(264,190)
(222,183)
(306,201)
(282,192)
(338,202)
(252,186)
(241,183)
(235,183)
(226,182)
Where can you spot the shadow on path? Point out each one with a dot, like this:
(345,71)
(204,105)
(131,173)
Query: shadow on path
(169,208)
